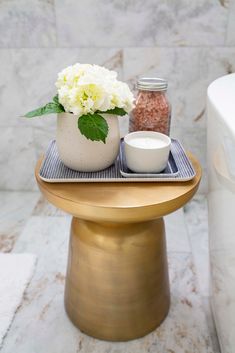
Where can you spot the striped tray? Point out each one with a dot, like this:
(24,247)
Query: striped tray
(54,171)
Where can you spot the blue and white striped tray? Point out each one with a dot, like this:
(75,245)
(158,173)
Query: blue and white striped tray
(54,171)
(170,171)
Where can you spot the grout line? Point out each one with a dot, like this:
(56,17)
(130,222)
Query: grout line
(18,191)
(207,308)
(122,47)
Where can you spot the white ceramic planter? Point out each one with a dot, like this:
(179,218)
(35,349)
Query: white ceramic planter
(79,153)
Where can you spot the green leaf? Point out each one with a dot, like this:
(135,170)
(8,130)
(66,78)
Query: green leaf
(115,111)
(49,108)
(94,127)
(56,99)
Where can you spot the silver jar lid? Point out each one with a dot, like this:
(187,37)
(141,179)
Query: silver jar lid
(152,84)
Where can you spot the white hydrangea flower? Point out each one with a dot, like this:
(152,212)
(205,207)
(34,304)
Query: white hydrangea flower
(85,88)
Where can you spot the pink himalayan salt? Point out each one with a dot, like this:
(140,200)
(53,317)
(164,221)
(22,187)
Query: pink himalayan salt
(152,112)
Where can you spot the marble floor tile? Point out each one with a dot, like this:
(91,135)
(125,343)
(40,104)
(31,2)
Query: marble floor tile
(15,209)
(27,23)
(41,324)
(197,224)
(44,208)
(134,23)
(194,140)
(176,233)
(206,302)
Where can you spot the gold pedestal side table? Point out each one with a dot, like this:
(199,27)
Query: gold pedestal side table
(117,285)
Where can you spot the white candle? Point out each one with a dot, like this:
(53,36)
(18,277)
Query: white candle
(147,151)
(146,142)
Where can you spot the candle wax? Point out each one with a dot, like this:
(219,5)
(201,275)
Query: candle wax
(146,142)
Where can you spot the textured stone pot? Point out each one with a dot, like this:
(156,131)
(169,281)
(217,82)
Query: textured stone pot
(79,153)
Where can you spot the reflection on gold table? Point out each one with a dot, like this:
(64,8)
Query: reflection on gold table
(117,285)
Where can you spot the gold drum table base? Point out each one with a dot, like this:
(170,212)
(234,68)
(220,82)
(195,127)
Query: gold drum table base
(117,285)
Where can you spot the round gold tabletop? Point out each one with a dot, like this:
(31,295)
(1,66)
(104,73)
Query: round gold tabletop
(120,202)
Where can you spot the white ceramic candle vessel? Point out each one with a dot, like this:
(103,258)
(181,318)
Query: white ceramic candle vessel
(147,151)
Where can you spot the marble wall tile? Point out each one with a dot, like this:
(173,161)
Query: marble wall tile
(42,314)
(230,35)
(17,158)
(126,23)
(27,77)
(27,23)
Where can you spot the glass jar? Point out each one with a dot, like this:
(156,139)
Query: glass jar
(152,110)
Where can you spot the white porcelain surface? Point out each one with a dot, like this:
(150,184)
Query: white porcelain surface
(221,200)
(146,151)
(79,153)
